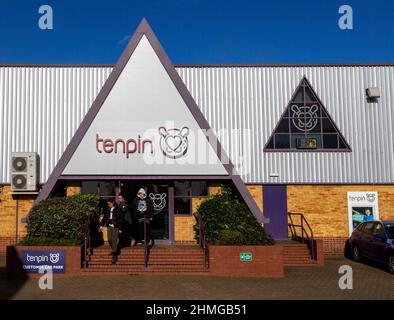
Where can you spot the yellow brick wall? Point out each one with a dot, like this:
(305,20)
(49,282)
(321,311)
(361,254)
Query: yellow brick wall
(213,189)
(73,188)
(183,225)
(325,206)
(256,190)
(8,212)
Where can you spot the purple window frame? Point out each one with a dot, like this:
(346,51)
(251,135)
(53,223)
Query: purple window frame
(303,84)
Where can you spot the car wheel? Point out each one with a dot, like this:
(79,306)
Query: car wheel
(390,263)
(356,253)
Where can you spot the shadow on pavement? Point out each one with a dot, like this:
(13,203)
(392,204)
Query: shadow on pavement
(9,284)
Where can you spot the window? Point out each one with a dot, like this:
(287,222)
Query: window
(102,188)
(360,227)
(390,230)
(306,125)
(199,188)
(369,226)
(182,198)
(379,229)
(183,193)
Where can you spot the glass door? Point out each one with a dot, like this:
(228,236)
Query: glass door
(158,194)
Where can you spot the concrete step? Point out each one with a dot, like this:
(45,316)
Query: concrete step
(93,272)
(119,268)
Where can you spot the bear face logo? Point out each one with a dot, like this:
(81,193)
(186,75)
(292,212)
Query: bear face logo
(159,201)
(54,257)
(305,118)
(174,142)
(370,197)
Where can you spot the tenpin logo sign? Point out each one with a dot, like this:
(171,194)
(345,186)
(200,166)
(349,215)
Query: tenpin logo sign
(32,261)
(54,257)
(174,142)
(371,197)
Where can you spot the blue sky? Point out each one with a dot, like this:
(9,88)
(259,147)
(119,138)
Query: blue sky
(199,31)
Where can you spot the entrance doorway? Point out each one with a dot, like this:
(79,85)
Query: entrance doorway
(158,192)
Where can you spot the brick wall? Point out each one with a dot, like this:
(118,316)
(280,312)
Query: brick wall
(334,245)
(73,188)
(267,261)
(325,206)
(8,216)
(326,209)
(183,225)
(256,190)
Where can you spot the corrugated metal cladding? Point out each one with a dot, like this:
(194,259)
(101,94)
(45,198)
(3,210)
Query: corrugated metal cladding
(41,108)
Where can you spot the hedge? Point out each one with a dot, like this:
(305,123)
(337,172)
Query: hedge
(228,221)
(60,219)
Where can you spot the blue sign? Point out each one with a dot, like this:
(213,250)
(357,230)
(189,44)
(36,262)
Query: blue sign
(33,260)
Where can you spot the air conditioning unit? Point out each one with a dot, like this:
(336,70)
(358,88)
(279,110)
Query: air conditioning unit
(24,171)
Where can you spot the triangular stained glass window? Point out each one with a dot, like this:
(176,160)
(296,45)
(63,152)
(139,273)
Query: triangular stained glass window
(306,125)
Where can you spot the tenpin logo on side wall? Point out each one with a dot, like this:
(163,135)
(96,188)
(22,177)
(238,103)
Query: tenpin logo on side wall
(305,118)
(174,142)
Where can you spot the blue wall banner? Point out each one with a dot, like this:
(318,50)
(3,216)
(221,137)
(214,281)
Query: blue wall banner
(32,260)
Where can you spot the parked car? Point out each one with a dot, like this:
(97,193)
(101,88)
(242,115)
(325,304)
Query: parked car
(373,240)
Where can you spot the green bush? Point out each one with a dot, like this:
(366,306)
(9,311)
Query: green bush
(229,221)
(60,219)
(41,241)
(229,237)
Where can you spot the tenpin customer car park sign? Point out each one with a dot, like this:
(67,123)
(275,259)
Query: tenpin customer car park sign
(34,260)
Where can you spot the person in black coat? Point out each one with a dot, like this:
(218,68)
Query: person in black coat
(127,228)
(143,213)
(113,220)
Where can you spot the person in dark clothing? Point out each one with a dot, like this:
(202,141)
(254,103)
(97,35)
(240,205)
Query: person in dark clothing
(127,221)
(113,219)
(143,213)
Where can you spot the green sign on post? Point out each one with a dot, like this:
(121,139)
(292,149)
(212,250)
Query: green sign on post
(245,256)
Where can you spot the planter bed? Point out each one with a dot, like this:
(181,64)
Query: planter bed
(261,261)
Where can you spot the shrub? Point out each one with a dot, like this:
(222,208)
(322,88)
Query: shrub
(230,237)
(60,219)
(41,241)
(229,221)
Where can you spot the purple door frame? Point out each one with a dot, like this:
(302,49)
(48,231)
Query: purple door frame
(275,209)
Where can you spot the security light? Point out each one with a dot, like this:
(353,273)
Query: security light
(373,93)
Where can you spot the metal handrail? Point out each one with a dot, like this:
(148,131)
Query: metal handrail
(86,243)
(203,240)
(304,231)
(146,248)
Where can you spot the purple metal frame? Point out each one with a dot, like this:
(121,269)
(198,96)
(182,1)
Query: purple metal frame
(301,84)
(144,29)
